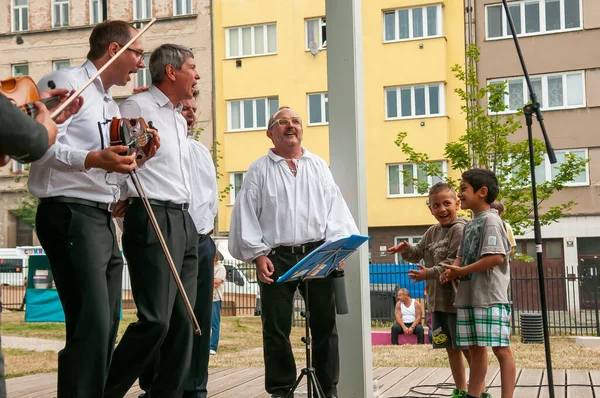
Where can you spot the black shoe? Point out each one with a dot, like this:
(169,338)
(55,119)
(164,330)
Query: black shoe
(142,395)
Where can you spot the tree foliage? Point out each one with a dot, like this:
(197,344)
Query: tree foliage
(489,142)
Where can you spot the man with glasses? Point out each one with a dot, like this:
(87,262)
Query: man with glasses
(289,205)
(77,182)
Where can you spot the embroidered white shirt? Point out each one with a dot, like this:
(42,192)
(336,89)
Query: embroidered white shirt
(205,199)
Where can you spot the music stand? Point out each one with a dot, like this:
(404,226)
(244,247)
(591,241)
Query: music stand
(316,265)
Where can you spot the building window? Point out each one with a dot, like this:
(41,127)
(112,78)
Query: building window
(182,7)
(251,114)
(414,101)
(60,13)
(235,179)
(24,233)
(20,70)
(20,17)
(247,41)
(61,64)
(533,17)
(316,31)
(318,109)
(555,91)
(96,14)
(412,23)
(547,171)
(413,240)
(143,77)
(401,178)
(142,9)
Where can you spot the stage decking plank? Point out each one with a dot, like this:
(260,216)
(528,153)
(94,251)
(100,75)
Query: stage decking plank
(579,377)
(529,377)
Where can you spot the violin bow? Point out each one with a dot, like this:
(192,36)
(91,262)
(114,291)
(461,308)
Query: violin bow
(72,97)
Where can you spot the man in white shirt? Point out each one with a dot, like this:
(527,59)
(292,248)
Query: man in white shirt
(163,324)
(77,183)
(287,206)
(203,209)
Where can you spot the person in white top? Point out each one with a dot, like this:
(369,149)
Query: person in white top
(408,313)
(218,296)
(77,183)
(287,206)
(163,325)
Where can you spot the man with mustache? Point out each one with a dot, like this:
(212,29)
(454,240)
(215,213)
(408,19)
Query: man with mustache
(289,205)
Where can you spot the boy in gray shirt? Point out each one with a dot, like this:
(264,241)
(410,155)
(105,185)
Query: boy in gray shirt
(483,314)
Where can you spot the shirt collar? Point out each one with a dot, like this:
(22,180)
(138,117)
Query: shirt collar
(91,71)
(162,99)
(277,158)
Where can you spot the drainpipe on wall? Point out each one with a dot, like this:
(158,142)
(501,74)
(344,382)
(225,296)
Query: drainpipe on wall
(213,92)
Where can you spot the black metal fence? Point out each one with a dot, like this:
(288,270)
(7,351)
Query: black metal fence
(572,292)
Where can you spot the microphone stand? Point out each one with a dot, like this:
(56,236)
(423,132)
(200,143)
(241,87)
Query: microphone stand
(529,110)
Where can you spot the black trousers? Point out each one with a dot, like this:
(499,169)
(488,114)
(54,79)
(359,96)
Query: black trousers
(195,386)
(163,327)
(397,330)
(277,307)
(87,266)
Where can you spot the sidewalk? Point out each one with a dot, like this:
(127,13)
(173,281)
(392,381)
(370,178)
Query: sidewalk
(32,344)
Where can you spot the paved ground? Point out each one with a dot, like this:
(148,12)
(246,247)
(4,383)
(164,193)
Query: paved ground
(32,344)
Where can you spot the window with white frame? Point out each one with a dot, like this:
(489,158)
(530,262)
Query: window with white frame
(20,70)
(96,14)
(413,240)
(143,77)
(251,114)
(20,15)
(316,30)
(547,171)
(60,13)
(182,7)
(235,180)
(401,178)
(414,101)
(533,17)
(318,109)
(61,64)
(142,9)
(412,23)
(247,41)
(554,91)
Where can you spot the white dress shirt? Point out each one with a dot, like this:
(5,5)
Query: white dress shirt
(167,175)
(61,171)
(274,208)
(205,198)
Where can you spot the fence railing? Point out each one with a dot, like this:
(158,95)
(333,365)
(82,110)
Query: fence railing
(573,293)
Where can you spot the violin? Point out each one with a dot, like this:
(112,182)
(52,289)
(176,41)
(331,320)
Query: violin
(133,133)
(22,91)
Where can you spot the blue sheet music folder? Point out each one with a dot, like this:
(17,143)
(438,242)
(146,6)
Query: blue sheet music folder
(321,261)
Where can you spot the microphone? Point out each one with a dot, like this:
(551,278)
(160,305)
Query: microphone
(339,290)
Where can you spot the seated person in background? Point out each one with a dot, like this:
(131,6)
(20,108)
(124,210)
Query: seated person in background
(408,318)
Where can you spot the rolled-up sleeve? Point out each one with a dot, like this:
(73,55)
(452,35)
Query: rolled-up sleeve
(245,233)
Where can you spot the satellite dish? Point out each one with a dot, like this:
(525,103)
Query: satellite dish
(313,47)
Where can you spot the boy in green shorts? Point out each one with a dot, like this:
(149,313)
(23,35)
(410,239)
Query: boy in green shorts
(438,247)
(483,315)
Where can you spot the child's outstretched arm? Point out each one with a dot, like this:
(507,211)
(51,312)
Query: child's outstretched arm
(484,263)
(454,241)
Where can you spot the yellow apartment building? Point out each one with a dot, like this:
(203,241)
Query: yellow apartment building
(275,55)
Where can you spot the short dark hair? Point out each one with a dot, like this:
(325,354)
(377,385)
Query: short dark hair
(108,32)
(479,178)
(441,186)
(167,54)
(498,206)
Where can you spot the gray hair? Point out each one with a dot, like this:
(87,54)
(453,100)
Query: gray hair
(167,54)
(404,292)
(272,118)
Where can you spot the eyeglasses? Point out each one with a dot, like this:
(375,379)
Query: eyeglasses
(295,121)
(139,53)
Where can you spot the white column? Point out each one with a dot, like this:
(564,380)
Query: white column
(348,165)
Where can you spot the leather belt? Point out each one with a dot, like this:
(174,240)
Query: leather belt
(206,235)
(300,249)
(161,203)
(64,199)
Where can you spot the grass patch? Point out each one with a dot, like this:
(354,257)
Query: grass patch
(22,363)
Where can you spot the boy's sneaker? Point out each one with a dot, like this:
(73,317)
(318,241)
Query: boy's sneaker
(456,393)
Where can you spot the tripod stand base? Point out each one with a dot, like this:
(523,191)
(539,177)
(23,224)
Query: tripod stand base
(311,382)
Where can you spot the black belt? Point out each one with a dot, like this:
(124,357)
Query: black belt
(63,199)
(161,203)
(300,249)
(202,236)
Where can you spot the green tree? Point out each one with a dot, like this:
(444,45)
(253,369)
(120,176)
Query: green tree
(27,209)
(489,142)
